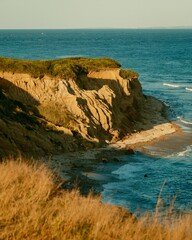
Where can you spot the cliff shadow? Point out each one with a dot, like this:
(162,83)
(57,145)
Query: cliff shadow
(131,110)
(24,131)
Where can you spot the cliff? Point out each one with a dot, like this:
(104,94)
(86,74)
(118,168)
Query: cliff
(49,107)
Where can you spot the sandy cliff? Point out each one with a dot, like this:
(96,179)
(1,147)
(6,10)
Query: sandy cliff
(44,115)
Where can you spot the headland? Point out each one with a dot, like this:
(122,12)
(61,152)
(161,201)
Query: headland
(57,106)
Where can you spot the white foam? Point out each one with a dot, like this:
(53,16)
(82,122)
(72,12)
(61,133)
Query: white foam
(183,121)
(171,85)
(186,151)
(188,89)
(183,153)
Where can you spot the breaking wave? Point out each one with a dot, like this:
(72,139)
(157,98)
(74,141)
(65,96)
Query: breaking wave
(188,89)
(183,121)
(171,85)
(185,152)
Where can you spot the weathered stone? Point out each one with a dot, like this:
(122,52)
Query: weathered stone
(70,114)
(129,151)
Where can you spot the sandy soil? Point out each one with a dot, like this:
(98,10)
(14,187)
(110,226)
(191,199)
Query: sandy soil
(146,137)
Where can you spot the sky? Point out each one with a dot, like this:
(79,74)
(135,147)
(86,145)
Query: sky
(50,14)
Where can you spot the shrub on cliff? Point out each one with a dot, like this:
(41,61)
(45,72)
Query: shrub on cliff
(128,74)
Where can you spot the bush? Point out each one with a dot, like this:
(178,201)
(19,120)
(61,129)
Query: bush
(128,74)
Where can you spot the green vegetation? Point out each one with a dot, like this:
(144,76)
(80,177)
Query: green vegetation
(59,118)
(64,68)
(33,206)
(128,74)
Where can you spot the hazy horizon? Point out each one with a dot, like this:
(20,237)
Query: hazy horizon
(105,28)
(100,14)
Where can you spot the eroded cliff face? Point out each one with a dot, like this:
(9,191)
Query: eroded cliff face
(96,108)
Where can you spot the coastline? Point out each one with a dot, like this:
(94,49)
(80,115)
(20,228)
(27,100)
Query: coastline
(78,169)
(146,137)
(106,115)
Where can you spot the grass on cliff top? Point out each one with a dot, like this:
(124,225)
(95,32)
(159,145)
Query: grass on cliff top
(33,206)
(65,68)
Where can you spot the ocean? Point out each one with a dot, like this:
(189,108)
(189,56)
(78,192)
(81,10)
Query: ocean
(163,59)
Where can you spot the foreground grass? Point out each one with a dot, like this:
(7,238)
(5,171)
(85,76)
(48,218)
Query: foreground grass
(33,206)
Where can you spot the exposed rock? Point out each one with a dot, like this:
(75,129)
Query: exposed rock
(116,160)
(129,151)
(49,115)
(104,160)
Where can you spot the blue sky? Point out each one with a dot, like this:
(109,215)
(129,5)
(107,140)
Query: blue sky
(95,13)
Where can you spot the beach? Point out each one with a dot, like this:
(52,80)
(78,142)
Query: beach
(77,169)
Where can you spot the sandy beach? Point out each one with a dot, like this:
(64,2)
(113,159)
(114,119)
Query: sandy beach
(146,137)
(78,168)
(132,141)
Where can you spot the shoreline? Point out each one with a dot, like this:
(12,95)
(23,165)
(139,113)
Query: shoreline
(79,169)
(147,137)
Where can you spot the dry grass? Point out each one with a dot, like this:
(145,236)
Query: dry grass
(32,206)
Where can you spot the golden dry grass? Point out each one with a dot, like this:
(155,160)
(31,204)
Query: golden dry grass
(33,206)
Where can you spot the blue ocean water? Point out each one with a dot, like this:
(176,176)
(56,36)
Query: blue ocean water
(163,58)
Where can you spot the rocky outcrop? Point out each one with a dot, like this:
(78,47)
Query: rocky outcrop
(51,115)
